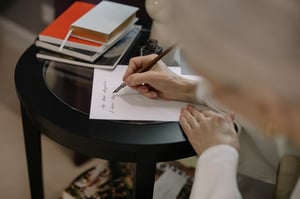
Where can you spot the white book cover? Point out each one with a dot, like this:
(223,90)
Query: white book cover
(105,18)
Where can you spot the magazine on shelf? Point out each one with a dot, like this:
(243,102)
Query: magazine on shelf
(115,180)
(108,60)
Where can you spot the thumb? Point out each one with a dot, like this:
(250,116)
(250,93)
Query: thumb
(140,78)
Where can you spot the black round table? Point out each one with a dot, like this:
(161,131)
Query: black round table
(55,101)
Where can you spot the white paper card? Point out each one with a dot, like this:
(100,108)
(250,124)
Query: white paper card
(128,104)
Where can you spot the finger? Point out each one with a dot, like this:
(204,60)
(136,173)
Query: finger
(146,91)
(136,63)
(151,78)
(184,122)
(210,113)
(219,119)
(196,113)
(136,79)
(151,94)
(133,66)
(186,127)
(219,116)
(192,120)
(232,116)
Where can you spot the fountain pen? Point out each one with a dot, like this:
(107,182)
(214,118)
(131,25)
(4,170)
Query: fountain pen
(148,66)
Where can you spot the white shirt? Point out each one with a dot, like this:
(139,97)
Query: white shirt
(215,175)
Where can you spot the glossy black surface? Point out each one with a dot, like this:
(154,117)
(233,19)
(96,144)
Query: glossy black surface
(55,101)
(58,116)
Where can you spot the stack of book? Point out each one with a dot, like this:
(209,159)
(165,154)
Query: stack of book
(90,35)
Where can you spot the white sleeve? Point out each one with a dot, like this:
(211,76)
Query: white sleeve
(296,191)
(216,174)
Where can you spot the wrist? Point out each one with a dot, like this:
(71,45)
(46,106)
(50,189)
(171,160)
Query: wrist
(189,92)
(194,91)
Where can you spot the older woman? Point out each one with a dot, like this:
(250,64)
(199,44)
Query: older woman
(249,53)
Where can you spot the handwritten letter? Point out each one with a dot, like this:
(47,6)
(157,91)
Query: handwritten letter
(127,104)
(107,100)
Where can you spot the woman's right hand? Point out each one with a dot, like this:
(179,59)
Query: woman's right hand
(159,82)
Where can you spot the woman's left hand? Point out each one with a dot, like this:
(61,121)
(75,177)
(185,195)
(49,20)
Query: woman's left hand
(206,128)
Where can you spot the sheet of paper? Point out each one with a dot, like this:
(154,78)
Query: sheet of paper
(128,104)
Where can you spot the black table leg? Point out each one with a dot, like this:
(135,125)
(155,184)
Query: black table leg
(32,137)
(145,176)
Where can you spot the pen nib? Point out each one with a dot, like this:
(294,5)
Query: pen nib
(119,87)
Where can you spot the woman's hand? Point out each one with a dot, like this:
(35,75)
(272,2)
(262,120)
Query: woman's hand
(205,128)
(159,82)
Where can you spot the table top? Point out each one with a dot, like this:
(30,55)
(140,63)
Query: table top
(56,97)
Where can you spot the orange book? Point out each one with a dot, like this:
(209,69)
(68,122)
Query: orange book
(56,31)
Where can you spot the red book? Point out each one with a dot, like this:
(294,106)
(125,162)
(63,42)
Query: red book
(56,31)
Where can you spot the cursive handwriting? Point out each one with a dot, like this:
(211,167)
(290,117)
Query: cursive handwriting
(107,100)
